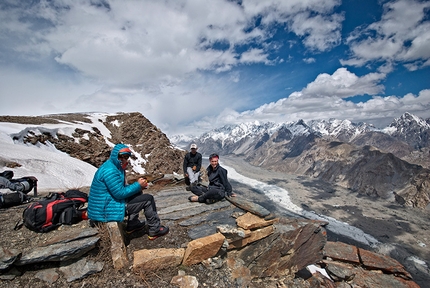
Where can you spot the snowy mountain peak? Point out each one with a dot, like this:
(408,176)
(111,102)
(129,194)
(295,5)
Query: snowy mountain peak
(408,120)
(237,132)
(340,128)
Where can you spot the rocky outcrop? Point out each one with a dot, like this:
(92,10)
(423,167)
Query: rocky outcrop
(293,249)
(147,140)
(363,268)
(279,248)
(90,144)
(67,246)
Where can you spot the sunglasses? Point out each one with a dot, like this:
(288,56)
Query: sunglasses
(125,156)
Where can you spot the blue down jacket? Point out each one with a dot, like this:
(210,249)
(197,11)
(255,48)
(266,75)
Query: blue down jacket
(109,191)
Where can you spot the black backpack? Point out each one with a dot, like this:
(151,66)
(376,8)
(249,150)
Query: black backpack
(54,210)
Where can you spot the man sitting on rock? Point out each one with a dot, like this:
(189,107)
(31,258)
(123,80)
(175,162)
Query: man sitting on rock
(219,186)
(192,164)
(111,198)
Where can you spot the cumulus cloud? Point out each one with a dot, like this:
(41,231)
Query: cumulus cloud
(402,35)
(312,20)
(342,84)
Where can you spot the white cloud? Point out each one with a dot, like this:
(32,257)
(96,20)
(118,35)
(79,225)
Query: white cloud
(112,47)
(320,33)
(312,20)
(343,84)
(309,60)
(254,56)
(118,45)
(402,35)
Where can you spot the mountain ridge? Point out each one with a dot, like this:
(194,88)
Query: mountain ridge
(90,137)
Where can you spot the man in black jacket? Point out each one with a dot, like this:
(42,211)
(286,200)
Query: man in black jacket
(192,165)
(219,186)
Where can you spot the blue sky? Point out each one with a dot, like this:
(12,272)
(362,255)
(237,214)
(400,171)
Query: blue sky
(191,66)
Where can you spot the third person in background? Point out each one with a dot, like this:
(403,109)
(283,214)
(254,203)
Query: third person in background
(192,164)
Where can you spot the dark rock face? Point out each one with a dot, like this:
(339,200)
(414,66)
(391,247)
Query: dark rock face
(146,139)
(292,247)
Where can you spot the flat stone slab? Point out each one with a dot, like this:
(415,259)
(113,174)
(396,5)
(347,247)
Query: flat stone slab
(377,261)
(341,251)
(72,235)
(175,199)
(172,192)
(212,222)
(249,206)
(81,269)
(192,209)
(7,257)
(218,216)
(58,252)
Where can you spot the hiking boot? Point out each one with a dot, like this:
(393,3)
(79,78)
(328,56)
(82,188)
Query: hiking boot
(163,230)
(134,228)
(188,188)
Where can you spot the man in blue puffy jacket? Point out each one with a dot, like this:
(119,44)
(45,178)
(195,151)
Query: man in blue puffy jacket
(111,198)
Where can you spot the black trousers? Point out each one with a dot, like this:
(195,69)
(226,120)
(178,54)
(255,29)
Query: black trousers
(212,192)
(145,202)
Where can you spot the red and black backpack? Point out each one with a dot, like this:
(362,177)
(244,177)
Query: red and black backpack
(54,210)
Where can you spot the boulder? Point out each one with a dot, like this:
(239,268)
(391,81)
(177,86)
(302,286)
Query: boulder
(155,259)
(203,248)
(293,245)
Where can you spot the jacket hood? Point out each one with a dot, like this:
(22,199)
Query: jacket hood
(114,154)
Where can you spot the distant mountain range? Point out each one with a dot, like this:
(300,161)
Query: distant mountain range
(357,156)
